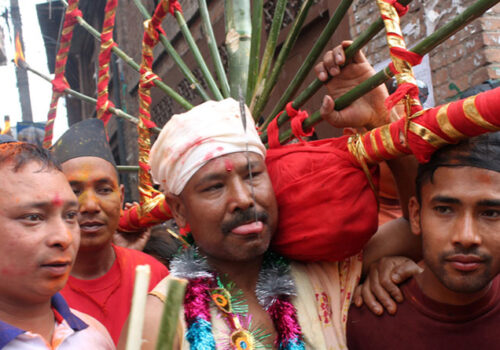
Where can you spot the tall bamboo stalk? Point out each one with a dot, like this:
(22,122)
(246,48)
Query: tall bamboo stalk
(316,50)
(293,34)
(198,56)
(267,57)
(175,292)
(422,48)
(175,56)
(116,111)
(128,60)
(212,45)
(253,68)
(309,91)
(238,35)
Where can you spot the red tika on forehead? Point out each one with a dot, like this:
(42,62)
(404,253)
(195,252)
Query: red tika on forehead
(57,201)
(229,165)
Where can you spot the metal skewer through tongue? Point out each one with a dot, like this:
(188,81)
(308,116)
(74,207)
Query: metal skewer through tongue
(244,121)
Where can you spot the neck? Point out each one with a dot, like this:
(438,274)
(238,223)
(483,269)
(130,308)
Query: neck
(93,263)
(37,318)
(243,273)
(432,287)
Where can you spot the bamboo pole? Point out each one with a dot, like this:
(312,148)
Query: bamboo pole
(138,307)
(310,60)
(176,289)
(127,59)
(253,65)
(116,111)
(175,56)
(309,91)
(263,98)
(267,57)
(197,55)
(422,48)
(238,41)
(127,168)
(212,45)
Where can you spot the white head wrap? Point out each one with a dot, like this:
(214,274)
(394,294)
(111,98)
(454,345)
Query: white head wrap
(191,139)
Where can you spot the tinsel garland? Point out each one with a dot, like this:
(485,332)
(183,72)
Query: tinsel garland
(274,288)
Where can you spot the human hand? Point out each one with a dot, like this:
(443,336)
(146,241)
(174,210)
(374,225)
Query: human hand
(380,289)
(132,240)
(369,110)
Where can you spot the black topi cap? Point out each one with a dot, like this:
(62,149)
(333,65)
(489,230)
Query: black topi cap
(84,139)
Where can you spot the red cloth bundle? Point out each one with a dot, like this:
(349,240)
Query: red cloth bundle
(327,209)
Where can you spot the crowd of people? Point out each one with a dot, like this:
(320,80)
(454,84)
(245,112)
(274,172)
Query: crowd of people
(427,280)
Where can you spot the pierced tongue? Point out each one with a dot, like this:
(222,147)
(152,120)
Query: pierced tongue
(247,229)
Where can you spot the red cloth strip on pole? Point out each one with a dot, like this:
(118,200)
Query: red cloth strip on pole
(59,83)
(153,208)
(107,43)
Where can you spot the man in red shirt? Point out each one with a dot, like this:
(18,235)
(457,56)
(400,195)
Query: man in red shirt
(102,279)
(455,302)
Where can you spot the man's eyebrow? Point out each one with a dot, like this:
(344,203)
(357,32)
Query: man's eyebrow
(103,180)
(445,199)
(48,204)
(489,202)
(211,177)
(251,163)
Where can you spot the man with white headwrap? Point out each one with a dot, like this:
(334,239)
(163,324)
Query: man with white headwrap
(239,293)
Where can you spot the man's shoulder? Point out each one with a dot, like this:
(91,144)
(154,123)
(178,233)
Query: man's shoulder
(95,333)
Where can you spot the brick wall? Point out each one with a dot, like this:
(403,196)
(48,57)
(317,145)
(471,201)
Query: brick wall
(467,59)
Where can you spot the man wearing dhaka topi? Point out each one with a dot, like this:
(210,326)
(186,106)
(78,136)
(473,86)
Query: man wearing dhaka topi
(38,245)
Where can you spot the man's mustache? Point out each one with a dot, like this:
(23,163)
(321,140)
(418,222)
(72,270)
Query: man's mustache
(459,250)
(244,217)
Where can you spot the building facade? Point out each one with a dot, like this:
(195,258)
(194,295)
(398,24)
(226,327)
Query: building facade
(467,59)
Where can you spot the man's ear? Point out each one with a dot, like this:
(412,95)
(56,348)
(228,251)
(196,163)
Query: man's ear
(414,208)
(122,195)
(177,208)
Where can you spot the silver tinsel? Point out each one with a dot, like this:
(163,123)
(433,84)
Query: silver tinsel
(189,264)
(274,277)
(274,280)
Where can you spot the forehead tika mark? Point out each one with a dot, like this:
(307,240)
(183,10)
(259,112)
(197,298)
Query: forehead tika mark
(229,165)
(57,201)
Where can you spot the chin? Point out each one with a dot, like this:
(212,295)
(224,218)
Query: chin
(467,284)
(93,243)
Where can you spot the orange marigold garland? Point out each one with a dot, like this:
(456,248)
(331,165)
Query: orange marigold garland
(59,83)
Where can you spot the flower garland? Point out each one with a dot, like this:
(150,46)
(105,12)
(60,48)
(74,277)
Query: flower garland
(274,288)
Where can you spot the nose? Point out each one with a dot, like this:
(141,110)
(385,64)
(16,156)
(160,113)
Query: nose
(88,202)
(466,232)
(60,233)
(240,192)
